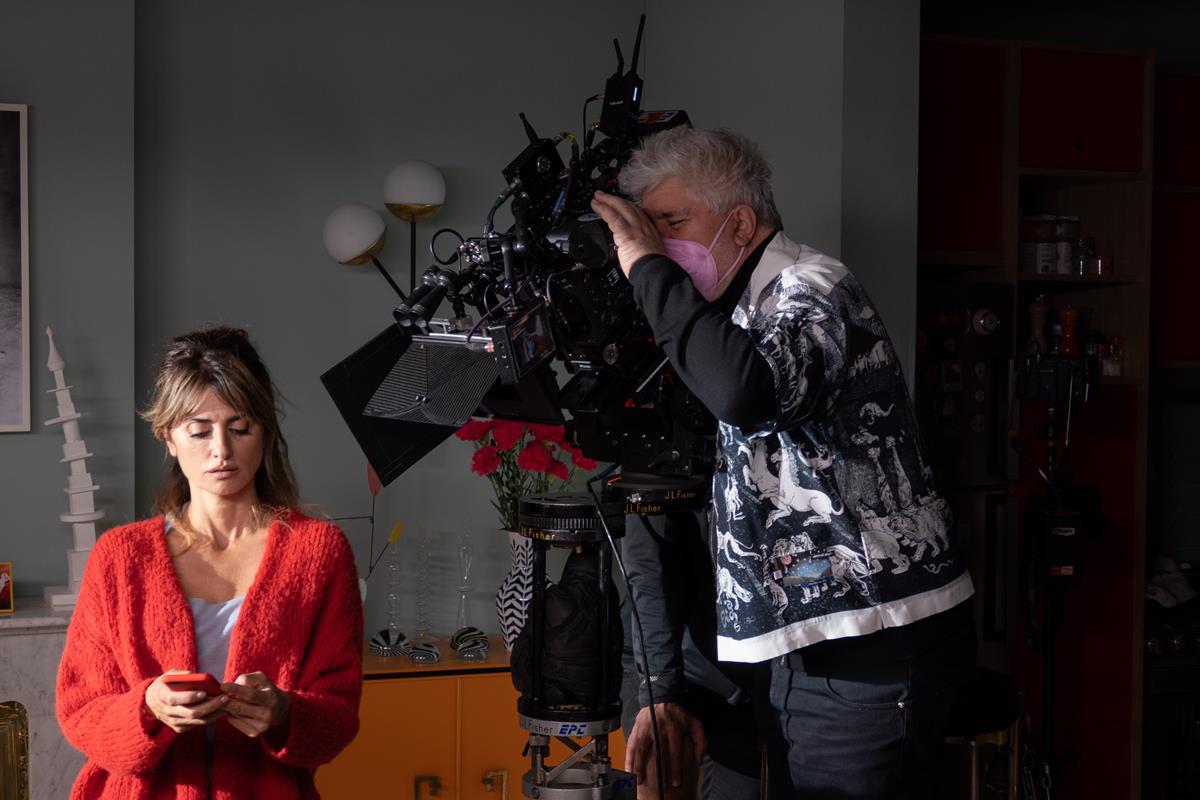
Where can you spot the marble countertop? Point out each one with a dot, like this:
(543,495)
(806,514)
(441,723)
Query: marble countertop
(32,615)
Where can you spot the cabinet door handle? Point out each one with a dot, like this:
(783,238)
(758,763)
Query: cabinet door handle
(435,785)
(489,782)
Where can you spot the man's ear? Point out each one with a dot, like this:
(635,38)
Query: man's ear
(745,225)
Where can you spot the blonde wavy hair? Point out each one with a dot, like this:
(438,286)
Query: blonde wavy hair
(221,358)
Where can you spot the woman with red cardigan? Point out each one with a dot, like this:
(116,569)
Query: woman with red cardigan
(229,579)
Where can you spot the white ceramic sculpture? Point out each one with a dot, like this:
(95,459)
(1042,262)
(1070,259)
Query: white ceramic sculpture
(80,490)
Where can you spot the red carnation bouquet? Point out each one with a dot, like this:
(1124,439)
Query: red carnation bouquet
(521,458)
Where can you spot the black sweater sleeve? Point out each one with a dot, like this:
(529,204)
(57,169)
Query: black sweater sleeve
(658,585)
(715,358)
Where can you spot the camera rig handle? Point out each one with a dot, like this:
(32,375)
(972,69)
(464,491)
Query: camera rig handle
(418,309)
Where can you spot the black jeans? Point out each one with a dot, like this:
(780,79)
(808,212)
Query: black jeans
(869,731)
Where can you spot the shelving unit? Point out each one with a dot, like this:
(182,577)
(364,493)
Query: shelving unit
(1172,674)
(1074,282)
(1032,114)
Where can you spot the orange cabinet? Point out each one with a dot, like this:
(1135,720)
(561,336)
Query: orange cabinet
(1082,110)
(1176,130)
(1076,144)
(1176,279)
(1176,219)
(960,189)
(407,729)
(450,726)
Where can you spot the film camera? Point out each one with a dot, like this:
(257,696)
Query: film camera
(550,297)
(548,293)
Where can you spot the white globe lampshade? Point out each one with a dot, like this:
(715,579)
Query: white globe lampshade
(414,190)
(354,233)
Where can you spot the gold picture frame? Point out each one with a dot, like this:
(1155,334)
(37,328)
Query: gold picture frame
(14,751)
(7,590)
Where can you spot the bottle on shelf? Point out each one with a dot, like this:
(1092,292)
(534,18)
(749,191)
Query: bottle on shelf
(1066,233)
(1113,363)
(395,590)
(1068,316)
(1085,252)
(424,587)
(1037,325)
(465,556)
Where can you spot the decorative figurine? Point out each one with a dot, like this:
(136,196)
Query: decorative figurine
(80,490)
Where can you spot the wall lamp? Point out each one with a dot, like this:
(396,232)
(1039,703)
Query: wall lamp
(354,232)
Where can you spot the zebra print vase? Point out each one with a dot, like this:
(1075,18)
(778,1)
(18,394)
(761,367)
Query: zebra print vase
(512,598)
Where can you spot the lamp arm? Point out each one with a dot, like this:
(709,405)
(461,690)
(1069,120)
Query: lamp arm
(387,277)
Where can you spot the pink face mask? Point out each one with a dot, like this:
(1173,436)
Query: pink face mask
(698,261)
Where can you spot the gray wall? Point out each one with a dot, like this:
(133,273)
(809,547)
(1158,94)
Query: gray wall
(251,127)
(879,160)
(78,80)
(250,132)
(778,78)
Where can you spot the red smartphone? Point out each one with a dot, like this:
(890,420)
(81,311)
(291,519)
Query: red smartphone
(193,682)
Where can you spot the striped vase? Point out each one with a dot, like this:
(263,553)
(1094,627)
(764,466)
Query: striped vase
(512,598)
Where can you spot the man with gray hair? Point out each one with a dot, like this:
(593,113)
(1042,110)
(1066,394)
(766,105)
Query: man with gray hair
(830,545)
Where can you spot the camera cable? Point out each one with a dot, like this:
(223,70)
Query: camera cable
(588,134)
(445,262)
(637,621)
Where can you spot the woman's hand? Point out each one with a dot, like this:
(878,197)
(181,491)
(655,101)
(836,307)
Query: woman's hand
(182,711)
(255,704)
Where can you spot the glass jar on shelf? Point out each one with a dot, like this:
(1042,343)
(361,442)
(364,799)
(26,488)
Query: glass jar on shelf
(1039,244)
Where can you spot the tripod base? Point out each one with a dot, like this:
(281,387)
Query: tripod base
(564,725)
(582,783)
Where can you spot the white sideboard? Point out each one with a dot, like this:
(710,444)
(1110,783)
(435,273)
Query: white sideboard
(31,643)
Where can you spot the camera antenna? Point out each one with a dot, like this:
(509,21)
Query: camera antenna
(637,46)
(623,92)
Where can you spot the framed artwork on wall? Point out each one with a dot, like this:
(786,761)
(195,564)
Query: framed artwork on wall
(14,269)
(6,589)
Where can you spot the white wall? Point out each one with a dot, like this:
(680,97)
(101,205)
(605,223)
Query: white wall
(77,78)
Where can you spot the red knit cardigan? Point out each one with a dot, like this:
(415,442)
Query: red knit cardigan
(300,624)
